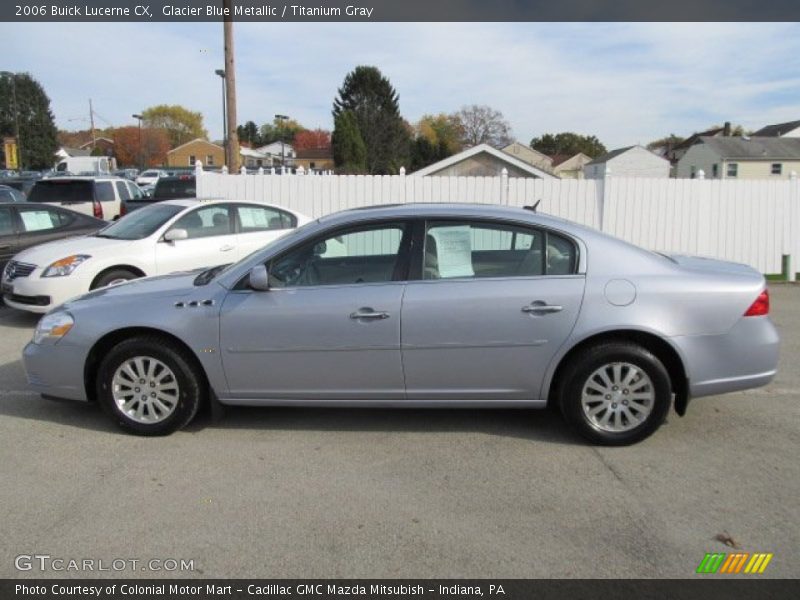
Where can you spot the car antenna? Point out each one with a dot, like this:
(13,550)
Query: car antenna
(534,207)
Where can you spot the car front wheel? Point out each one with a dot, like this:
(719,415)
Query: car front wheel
(150,386)
(615,393)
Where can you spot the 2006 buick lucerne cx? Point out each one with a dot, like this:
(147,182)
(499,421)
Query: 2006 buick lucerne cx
(420,305)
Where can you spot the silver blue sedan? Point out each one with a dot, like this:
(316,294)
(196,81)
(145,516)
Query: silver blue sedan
(426,305)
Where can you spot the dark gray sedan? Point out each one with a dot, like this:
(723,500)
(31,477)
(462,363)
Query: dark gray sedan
(420,306)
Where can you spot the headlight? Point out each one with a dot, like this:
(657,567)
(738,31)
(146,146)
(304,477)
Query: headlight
(53,327)
(65,266)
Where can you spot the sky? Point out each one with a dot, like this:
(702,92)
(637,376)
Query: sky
(626,83)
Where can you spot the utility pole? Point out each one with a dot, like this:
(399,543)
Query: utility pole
(91,121)
(141,160)
(13,77)
(232,147)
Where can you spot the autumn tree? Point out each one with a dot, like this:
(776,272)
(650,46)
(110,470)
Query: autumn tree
(312,139)
(181,124)
(441,130)
(568,143)
(374,105)
(152,152)
(483,125)
(349,150)
(24,104)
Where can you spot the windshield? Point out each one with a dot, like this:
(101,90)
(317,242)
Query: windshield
(142,223)
(174,188)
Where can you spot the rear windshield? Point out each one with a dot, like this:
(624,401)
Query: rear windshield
(62,191)
(174,188)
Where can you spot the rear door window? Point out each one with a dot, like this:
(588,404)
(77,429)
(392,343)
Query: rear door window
(122,190)
(263,218)
(6,221)
(105,191)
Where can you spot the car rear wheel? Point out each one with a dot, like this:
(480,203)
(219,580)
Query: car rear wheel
(149,386)
(113,277)
(615,393)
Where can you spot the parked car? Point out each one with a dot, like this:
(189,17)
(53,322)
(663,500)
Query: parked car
(100,197)
(9,194)
(167,188)
(131,174)
(23,225)
(21,184)
(429,306)
(150,177)
(170,236)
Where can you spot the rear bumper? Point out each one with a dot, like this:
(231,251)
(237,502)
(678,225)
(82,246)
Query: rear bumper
(743,358)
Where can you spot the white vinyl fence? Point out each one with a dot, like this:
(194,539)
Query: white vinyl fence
(755,222)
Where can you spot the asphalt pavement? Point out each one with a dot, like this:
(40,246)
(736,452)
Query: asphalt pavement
(281,493)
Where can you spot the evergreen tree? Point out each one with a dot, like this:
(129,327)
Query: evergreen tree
(349,150)
(372,100)
(37,130)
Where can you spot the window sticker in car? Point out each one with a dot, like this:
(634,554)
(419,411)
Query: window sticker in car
(454,250)
(36,220)
(253,218)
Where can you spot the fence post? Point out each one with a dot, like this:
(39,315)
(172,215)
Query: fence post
(243,170)
(602,199)
(701,174)
(260,170)
(301,170)
(504,186)
(272,170)
(198,168)
(402,173)
(224,169)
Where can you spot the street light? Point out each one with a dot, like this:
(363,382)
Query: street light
(13,77)
(139,117)
(281,119)
(221,73)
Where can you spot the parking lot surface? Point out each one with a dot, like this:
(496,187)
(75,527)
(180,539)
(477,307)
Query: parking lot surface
(281,492)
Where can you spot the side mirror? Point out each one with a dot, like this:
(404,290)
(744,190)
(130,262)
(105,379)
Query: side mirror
(173,235)
(259,278)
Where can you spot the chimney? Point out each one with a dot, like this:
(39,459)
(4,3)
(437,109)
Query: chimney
(726,129)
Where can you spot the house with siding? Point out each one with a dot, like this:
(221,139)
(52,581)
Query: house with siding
(529,155)
(742,158)
(185,155)
(483,161)
(632,161)
(570,167)
(790,129)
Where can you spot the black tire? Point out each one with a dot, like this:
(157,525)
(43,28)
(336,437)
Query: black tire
(191,384)
(577,374)
(113,275)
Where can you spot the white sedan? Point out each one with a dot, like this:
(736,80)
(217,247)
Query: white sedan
(175,235)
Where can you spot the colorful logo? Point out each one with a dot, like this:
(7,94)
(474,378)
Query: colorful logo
(737,562)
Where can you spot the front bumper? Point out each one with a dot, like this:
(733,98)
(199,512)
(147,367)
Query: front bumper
(40,295)
(56,369)
(743,358)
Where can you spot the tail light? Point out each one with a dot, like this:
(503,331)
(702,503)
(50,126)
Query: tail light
(97,210)
(760,307)
(123,209)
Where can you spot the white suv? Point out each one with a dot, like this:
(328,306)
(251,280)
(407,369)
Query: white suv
(100,197)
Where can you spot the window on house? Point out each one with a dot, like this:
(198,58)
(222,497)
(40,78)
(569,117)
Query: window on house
(192,160)
(777,168)
(715,170)
(311,165)
(209,159)
(733,169)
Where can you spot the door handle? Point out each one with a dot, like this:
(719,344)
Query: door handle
(540,308)
(368,313)
(226,248)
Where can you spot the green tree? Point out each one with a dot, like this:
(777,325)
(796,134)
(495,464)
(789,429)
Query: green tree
(349,150)
(181,124)
(568,143)
(374,103)
(441,130)
(280,130)
(37,129)
(249,133)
